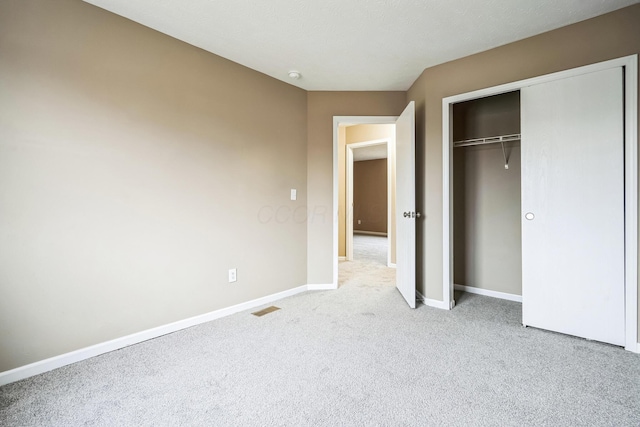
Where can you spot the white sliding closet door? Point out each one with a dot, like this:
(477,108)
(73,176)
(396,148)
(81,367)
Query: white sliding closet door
(573,206)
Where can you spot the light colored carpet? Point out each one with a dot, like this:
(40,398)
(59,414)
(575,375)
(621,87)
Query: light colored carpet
(370,248)
(369,263)
(356,356)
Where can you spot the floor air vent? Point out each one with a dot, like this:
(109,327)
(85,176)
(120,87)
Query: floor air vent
(266,311)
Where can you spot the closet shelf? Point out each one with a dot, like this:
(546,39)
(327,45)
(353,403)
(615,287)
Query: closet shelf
(490,140)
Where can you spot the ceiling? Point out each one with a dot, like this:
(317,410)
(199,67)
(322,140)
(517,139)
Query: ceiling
(353,44)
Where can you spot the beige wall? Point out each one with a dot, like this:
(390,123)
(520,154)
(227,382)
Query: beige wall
(362,133)
(487,239)
(135,170)
(370,196)
(321,107)
(486,218)
(486,117)
(352,135)
(606,37)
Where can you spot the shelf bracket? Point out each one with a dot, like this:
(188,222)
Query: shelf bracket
(504,153)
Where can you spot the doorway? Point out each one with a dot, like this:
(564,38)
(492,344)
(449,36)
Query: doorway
(369,207)
(405,210)
(340,124)
(366,212)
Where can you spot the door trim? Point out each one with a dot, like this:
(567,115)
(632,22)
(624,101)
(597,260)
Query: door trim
(337,121)
(349,193)
(630,64)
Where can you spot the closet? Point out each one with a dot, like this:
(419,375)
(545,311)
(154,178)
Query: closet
(486,195)
(538,202)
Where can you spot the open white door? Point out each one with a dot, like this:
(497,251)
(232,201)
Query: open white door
(573,206)
(405,205)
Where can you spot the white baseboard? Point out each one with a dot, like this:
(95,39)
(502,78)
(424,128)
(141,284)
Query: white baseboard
(327,287)
(49,364)
(391,265)
(370,233)
(45,365)
(488,293)
(342,258)
(432,302)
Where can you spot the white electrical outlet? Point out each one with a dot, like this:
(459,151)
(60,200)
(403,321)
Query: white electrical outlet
(294,194)
(359,222)
(233,275)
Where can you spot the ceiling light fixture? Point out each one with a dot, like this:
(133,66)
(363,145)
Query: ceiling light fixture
(295,75)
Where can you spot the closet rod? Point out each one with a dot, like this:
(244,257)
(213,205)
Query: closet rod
(490,140)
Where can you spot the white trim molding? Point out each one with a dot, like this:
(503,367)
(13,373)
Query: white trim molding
(342,258)
(431,302)
(631,201)
(630,65)
(55,362)
(326,287)
(488,293)
(349,165)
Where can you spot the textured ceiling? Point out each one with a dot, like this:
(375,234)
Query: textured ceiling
(353,44)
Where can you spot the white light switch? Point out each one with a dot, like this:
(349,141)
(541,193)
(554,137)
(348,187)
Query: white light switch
(294,194)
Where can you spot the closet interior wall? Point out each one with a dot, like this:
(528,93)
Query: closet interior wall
(487,244)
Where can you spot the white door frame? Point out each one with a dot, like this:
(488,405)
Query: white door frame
(337,121)
(349,192)
(630,64)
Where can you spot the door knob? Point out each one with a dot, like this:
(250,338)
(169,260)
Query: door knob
(411,214)
(529,216)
